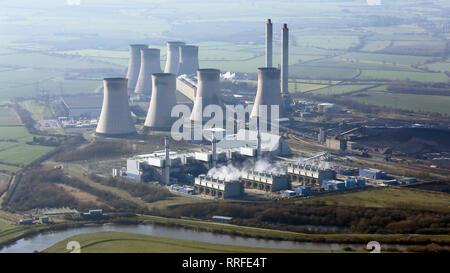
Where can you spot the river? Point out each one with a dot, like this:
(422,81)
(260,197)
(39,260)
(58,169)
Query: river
(44,240)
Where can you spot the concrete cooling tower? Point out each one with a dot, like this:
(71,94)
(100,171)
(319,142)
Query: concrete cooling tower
(150,63)
(134,65)
(162,101)
(208,88)
(269,38)
(188,59)
(115,117)
(268,92)
(173,57)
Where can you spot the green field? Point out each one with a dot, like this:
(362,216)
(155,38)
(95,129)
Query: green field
(417,103)
(119,242)
(402,75)
(15,151)
(340,89)
(8,117)
(388,198)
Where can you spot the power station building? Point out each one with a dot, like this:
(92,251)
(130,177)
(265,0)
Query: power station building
(265,181)
(309,174)
(217,188)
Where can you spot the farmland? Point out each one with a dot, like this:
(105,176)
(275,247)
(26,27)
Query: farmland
(331,41)
(15,152)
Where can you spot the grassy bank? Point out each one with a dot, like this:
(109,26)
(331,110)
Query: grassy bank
(299,237)
(121,242)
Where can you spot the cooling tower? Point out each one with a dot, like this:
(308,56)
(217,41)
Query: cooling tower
(268,92)
(115,117)
(134,65)
(284,59)
(208,87)
(173,57)
(188,59)
(162,101)
(150,63)
(269,38)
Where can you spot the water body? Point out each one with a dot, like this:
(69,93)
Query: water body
(44,240)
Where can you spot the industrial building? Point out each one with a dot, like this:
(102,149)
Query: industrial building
(115,118)
(217,188)
(372,173)
(309,174)
(82,106)
(336,144)
(264,181)
(246,141)
(333,185)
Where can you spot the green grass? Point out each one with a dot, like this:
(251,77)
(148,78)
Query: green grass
(320,72)
(304,87)
(402,75)
(388,198)
(373,46)
(121,242)
(327,41)
(385,58)
(340,89)
(38,111)
(8,117)
(438,66)
(287,235)
(417,103)
(14,150)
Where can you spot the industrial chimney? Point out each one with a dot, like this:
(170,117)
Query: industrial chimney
(134,65)
(268,92)
(188,59)
(115,117)
(150,63)
(173,57)
(162,101)
(269,38)
(284,60)
(167,161)
(208,88)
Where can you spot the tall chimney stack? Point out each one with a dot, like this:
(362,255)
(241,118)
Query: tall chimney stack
(115,117)
(150,63)
(162,101)
(173,57)
(167,161)
(134,66)
(269,38)
(208,88)
(188,59)
(284,60)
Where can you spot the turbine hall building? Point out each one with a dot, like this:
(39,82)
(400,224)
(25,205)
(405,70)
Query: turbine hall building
(309,174)
(217,188)
(264,181)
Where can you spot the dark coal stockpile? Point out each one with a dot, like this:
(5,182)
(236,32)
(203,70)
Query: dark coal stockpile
(412,141)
